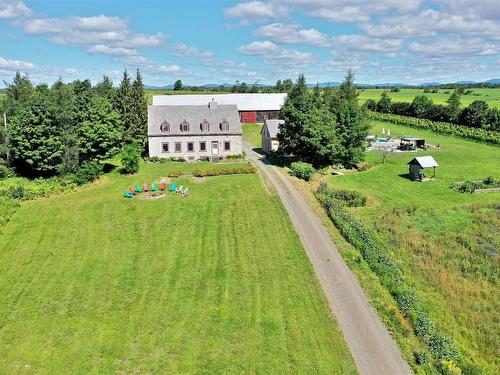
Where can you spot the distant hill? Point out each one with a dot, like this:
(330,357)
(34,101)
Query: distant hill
(493,81)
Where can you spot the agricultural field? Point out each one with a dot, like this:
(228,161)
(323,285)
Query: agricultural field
(490,95)
(91,282)
(445,242)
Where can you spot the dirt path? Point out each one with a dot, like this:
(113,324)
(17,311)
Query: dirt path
(369,341)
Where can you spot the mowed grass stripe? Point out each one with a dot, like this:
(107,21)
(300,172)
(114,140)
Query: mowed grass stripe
(217,283)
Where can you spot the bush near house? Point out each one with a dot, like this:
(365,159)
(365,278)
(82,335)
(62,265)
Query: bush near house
(219,171)
(302,170)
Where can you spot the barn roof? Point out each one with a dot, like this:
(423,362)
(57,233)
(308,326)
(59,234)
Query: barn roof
(424,161)
(244,102)
(194,115)
(273,127)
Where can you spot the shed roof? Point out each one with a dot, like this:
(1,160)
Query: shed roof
(273,127)
(194,115)
(424,161)
(412,139)
(244,102)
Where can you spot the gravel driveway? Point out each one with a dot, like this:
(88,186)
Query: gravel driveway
(372,347)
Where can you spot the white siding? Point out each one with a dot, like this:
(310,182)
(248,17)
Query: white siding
(155,146)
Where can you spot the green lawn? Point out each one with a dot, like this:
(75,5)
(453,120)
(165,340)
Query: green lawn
(251,134)
(446,242)
(217,283)
(491,95)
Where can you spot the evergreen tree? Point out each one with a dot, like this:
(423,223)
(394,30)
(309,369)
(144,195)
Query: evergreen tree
(351,123)
(384,103)
(123,105)
(316,96)
(18,92)
(309,130)
(105,88)
(279,86)
(421,105)
(453,108)
(83,95)
(36,146)
(137,131)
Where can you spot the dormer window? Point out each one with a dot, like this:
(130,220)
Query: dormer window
(224,125)
(204,126)
(165,127)
(184,126)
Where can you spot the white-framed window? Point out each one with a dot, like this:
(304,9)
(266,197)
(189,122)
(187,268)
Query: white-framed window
(190,146)
(177,147)
(227,145)
(164,147)
(165,127)
(184,126)
(203,146)
(224,125)
(205,126)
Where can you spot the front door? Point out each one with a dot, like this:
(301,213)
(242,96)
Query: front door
(215,148)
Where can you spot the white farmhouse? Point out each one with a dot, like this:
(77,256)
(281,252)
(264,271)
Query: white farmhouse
(192,132)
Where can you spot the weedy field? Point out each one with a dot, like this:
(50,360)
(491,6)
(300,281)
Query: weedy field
(446,242)
(490,95)
(91,282)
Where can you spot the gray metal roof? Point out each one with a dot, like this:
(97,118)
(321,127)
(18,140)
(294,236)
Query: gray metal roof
(273,127)
(194,115)
(244,102)
(424,161)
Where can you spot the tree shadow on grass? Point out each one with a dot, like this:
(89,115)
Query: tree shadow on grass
(108,167)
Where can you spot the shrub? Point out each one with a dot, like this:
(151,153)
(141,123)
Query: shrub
(5,171)
(218,171)
(302,170)
(421,357)
(365,166)
(90,171)
(204,158)
(236,157)
(442,347)
(174,174)
(130,156)
(449,368)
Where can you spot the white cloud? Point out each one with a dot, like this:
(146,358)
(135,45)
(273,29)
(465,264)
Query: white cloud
(362,43)
(454,47)
(112,51)
(13,9)
(293,34)
(169,69)
(275,55)
(256,10)
(9,64)
(183,50)
(343,15)
(233,64)
(96,34)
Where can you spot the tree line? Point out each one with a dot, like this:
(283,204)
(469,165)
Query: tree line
(324,127)
(476,115)
(239,87)
(58,130)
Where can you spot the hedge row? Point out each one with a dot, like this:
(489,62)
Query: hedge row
(218,171)
(348,198)
(473,134)
(390,275)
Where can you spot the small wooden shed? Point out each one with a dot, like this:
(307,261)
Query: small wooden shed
(418,164)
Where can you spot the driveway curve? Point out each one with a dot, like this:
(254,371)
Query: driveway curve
(371,345)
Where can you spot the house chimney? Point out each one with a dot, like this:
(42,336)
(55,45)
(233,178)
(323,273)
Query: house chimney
(212,104)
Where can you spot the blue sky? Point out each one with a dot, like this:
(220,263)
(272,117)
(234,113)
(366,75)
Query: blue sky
(221,41)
